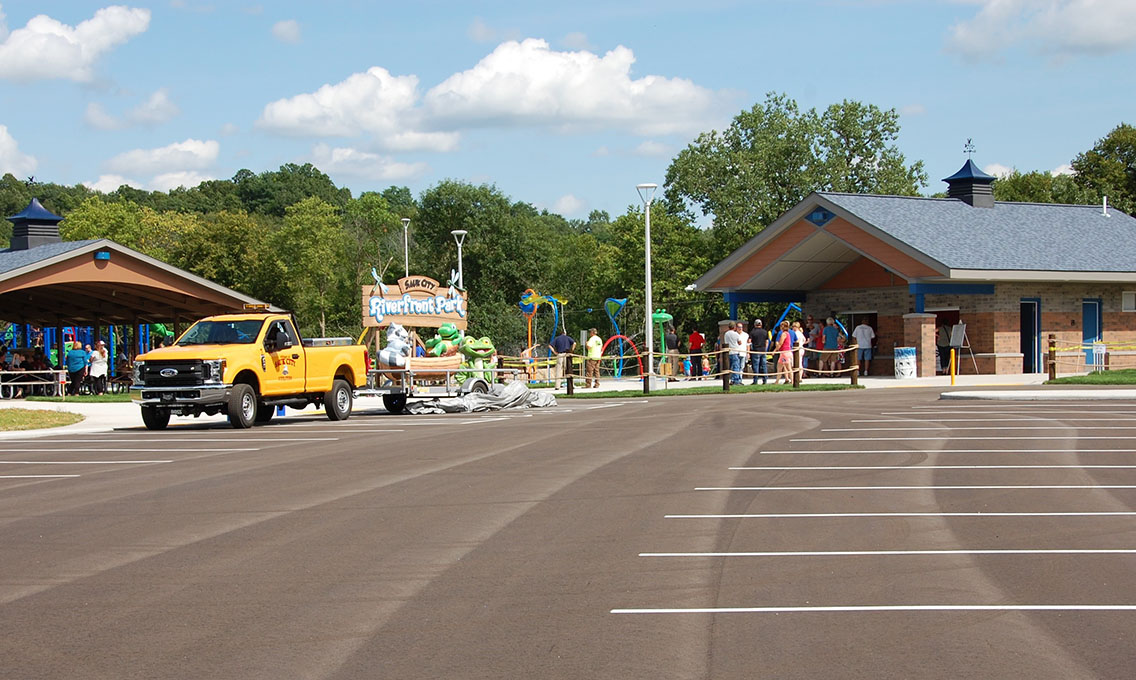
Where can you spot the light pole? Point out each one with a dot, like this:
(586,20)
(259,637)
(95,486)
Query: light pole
(647,192)
(406,245)
(459,236)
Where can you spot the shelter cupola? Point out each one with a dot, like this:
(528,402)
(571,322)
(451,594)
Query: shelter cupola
(972,186)
(34,226)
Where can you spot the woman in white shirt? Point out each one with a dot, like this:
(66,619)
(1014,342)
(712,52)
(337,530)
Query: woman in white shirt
(98,372)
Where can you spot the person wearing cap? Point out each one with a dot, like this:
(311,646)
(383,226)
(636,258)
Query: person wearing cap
(594,351)
(99,362)
(759,344)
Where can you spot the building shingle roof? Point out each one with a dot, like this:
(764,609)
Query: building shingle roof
(1009,236)
(11,260)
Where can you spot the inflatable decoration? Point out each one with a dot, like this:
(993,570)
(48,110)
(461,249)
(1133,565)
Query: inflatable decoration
(446,342)
(477,356)
(398,347)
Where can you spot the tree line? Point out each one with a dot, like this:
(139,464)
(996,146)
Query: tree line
(293,238)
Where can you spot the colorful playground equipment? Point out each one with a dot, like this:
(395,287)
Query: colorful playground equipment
(613,306)
(530,304)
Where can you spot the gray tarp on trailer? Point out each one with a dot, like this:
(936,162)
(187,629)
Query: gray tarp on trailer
(512,395)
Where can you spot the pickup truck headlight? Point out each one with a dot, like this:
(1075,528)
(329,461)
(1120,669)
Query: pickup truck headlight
(139,371)
(214,371)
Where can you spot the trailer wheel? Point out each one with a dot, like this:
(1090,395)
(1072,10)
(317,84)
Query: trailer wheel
(475,386)
(394,403)
(155,418)
(337,402)
(242,406)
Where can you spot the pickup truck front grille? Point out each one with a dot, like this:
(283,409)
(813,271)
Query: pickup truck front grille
(177,373)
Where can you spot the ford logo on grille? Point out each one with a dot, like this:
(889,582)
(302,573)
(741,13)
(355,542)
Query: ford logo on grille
(168,372)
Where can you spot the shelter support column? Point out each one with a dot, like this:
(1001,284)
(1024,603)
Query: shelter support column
(919,332)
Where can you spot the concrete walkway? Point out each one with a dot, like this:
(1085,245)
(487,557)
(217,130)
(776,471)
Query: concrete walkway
(108,417)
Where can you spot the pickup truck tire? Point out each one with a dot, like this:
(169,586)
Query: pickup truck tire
(394,403)
(264,413)
(155,418)
(242,406)
(337,402)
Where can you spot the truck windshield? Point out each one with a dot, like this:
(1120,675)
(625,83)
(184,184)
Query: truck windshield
(222,333)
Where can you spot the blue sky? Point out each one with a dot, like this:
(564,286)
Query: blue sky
(564,105)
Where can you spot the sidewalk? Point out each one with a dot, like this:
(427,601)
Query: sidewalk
(108,417)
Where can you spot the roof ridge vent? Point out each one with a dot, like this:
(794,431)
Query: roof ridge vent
(1104,206)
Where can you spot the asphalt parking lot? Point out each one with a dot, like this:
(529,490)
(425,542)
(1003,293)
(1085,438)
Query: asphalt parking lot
(881,534)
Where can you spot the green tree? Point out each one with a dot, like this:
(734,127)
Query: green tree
(271,193)
(773,155)
(1041,187)
(119,221)
(1109,168)
(373,237)
(310,248)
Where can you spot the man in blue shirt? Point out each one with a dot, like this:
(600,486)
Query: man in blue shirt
(831,356)
(76,360)
(562,345)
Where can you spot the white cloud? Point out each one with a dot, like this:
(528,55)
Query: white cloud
(108,183)
(47,48)
(172,180)
(479,31)
(998,170)
(372,102)
(568,205)
(229,129)
(1062,27)
(913,110)
(97,117)
(155,110)
(601,152)
(287,31)
(12,159)
(192,154)
(3,25)
(422,141)
(576,41)
(355,163)
(652,149)
(526,83)
(1062,170)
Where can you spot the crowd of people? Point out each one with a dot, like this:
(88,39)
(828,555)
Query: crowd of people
(86,365)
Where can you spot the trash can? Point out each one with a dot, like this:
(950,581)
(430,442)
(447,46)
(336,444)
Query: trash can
(905,363)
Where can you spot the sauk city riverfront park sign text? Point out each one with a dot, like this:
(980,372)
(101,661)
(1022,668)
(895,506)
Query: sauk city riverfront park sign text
(417,301)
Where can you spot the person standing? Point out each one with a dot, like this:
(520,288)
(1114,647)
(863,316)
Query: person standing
(943,344)
(864,336)
(562,345)
(671,340)
(735,344)
(695,343)
(99,363)
(759,344)
(76,360)
(594,350)
(784,350)
(831,357)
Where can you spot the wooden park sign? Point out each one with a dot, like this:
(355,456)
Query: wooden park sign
(417,301)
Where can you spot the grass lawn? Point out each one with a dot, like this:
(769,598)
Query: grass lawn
(707,389)
(108,398)
(28,419)
(1125,376)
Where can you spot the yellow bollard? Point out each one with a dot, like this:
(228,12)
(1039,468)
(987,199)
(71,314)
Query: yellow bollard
(952,367)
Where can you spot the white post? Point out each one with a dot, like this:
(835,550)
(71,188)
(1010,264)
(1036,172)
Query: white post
(647,192)
(459,236)
(406,246)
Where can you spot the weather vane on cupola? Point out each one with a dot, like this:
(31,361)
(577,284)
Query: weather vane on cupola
(968,148)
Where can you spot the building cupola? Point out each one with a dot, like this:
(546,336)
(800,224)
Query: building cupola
(972,186)
(35,226)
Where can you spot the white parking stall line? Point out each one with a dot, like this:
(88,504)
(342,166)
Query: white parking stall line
(126,450)
(1003,412)
(989,420)
(853,451)
(1016,404)
(831,515)
(955,487)
(979,427)
(932,467)
(886,608)
(599,406)
(338,430)
(924,439)
(162,440)
(83,462)
(38,476)
(901,553)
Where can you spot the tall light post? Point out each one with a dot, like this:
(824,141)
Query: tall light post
(406,245)
(459,236)
(647,192)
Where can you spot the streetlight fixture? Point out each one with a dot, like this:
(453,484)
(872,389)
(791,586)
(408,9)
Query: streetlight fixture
(459,236)
(646,193)
(406,245)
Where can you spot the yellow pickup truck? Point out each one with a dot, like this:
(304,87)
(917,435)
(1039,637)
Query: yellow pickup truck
(245,365)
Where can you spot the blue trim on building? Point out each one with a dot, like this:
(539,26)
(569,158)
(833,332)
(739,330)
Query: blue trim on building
(820,217)
(951,288)
(764,296)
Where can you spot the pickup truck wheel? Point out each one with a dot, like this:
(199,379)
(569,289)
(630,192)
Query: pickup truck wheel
(394,403)
(242,406)
(155,418)
(264,413)
(337,402)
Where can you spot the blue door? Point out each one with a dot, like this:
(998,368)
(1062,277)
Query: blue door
(1090,326)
